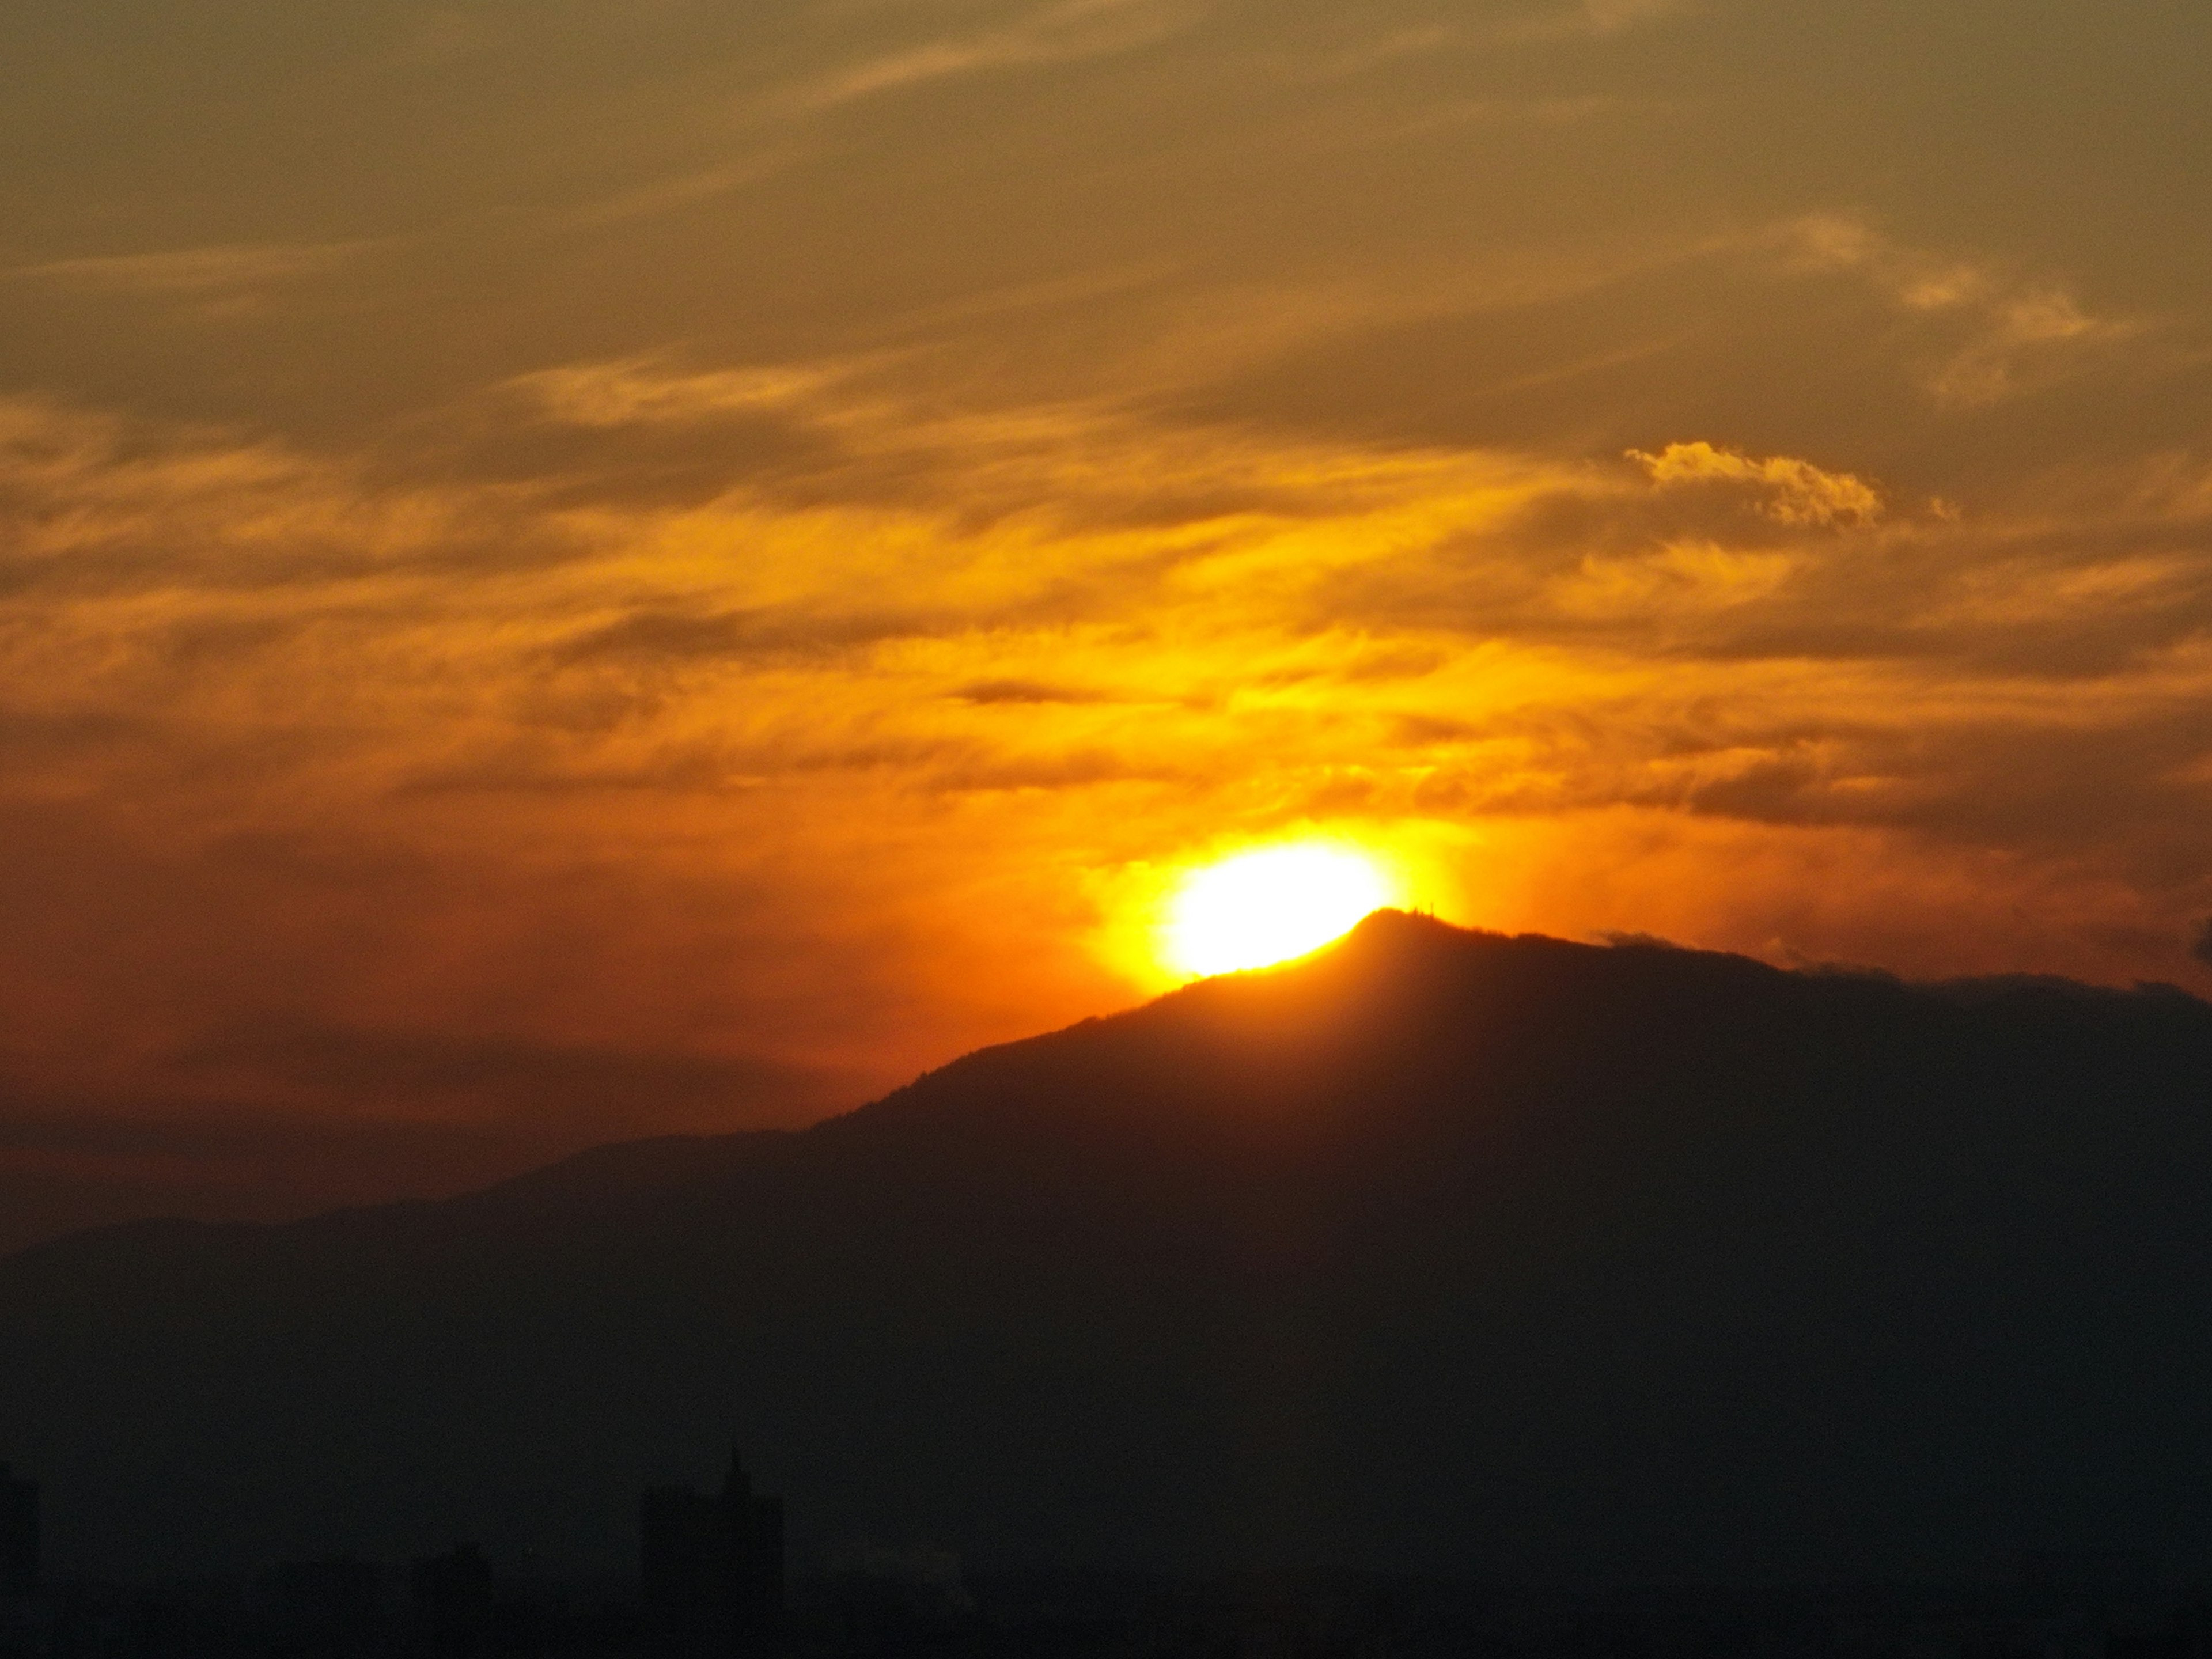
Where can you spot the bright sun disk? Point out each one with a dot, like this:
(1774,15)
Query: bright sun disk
(1269,906)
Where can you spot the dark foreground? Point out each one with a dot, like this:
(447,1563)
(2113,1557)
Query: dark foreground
(919,1605)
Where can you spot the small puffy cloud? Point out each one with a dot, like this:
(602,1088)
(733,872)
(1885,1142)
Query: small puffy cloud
(1797,492)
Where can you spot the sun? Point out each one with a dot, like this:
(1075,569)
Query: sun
(1269,905)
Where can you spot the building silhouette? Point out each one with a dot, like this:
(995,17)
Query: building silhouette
(331,1604)
(711,1580)
(19,1534)
(453,1600)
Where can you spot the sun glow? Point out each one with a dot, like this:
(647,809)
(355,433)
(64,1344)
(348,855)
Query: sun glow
(1269,906)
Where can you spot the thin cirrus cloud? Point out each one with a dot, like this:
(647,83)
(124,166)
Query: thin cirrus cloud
(1595,20)
(197,272)
(1067,31)
(688,190)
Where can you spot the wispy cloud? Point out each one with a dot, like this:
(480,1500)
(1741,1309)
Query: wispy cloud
(1597,20)
(642,390)
(200,272)
(2018,330)
(1066,32)
(1380,51)
(678,191)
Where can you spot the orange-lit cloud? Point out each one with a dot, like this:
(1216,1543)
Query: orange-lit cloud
(1800,492)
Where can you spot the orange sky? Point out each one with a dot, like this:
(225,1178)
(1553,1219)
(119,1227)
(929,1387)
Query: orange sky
(572,571)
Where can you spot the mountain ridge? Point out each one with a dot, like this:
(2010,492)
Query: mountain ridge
(1436,1249)
(630,1163)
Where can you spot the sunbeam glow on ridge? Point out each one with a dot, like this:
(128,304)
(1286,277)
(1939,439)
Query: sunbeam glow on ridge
(1270,905)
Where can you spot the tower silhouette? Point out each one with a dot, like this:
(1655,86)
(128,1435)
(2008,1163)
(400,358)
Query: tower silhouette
(711,1570)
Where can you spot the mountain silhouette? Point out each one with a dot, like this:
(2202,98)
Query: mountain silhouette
(1439,1250)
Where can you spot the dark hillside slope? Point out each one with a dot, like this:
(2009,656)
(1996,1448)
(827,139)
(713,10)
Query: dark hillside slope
(1439,1249)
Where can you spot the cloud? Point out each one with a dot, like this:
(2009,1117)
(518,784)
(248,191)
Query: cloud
(1068,31)
(1381,50)
(1677,577)
(682,190)
(97,503)
(1597,20)
(1798,493)
(2019,325)
(2201,946)
(2018,333)
(646,390)
(1022,693)
(198,272)
(667,637)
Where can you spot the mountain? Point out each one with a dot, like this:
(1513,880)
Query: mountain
(1439,1249)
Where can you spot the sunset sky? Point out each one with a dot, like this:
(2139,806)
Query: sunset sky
(571,571)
